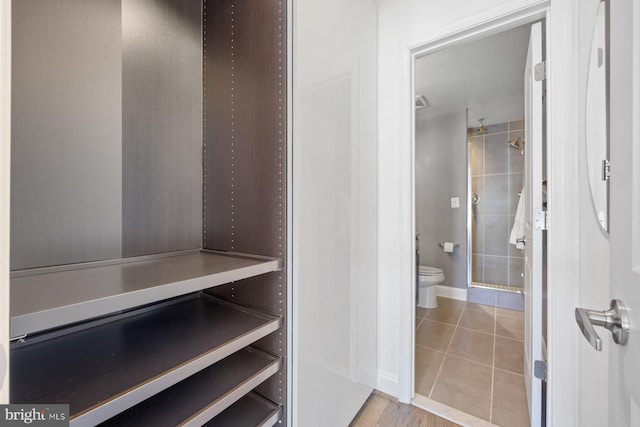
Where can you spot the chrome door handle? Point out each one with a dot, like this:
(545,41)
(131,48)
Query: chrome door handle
(522,240)
(615,320)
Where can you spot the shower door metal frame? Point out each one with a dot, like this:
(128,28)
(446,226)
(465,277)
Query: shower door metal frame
(469,212)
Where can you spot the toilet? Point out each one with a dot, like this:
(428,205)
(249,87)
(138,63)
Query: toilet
(428,278)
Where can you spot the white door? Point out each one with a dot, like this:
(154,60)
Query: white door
(334,209)
(533,235)
(624,363)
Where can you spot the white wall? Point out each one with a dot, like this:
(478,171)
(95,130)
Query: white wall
(402,22)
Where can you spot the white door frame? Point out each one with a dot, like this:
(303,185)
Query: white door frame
(562,165)
(533,254)
(5,175)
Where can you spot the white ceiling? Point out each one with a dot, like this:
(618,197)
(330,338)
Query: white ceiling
(485,76)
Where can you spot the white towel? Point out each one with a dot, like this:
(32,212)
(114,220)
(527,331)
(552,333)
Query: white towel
(518,224)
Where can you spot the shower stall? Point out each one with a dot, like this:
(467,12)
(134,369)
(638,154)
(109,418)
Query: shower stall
(496,179)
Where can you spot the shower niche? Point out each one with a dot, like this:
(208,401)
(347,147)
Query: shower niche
(496,170)
(149,217)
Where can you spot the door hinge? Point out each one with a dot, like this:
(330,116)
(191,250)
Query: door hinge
(606,170)
(540,71)
(540,370)
(540,220)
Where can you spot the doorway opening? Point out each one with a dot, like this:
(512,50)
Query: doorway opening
(470,140)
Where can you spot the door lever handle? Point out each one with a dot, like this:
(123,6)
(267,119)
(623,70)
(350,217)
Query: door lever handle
(615,320)
(522,240)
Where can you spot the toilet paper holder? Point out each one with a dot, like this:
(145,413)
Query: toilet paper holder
(455,245)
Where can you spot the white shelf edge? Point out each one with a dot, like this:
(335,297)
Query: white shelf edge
(130,260)
(29,323)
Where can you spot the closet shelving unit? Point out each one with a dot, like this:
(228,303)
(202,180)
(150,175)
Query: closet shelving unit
(108,366)
(47,298)
(172,335)
(250,410)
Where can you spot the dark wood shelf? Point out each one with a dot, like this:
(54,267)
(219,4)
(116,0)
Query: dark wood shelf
(104,370)
(204,395)
(47,298)
(252,410)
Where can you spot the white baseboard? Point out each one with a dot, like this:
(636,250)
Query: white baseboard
(453,293)
(387,383)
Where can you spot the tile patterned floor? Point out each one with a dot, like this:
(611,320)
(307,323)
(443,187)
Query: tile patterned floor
(381,410)
(470,357)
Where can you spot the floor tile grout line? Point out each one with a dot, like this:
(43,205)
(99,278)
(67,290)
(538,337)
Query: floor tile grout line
(432,349)
(435,381)
(422,319)
(475,330)
(433,386)
(508,315)
(459,357)
(442,323)
(421,322)
(467,359)
(510,338)
(509,372)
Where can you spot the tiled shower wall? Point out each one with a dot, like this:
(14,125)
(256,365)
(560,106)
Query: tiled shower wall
(497,172)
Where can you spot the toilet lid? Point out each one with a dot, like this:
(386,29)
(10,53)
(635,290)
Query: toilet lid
(429,271)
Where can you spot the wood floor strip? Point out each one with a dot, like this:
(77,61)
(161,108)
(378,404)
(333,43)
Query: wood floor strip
(381,410)
(371,412)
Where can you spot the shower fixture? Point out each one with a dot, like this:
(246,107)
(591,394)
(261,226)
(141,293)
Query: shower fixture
(481,129)
(516,142)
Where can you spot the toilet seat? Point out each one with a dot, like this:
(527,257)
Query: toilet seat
(425,270)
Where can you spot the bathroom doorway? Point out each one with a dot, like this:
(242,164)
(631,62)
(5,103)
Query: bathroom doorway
(469,153)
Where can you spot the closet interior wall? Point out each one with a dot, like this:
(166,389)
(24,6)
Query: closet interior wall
(161,126)
(244,152)
(66,132)
(107,130)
